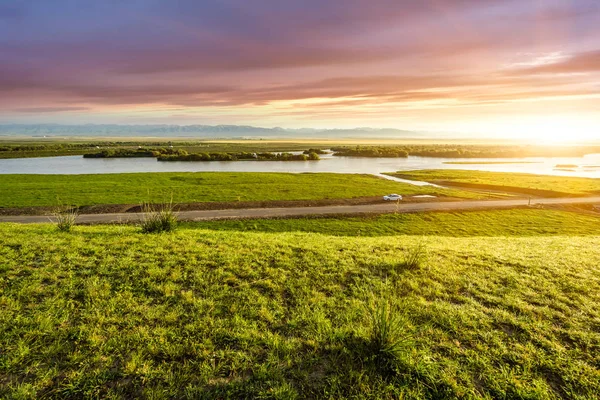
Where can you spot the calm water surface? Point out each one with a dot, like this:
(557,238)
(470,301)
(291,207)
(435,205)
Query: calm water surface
(588,166)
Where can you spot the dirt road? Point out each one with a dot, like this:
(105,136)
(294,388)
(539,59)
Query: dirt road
(200,215)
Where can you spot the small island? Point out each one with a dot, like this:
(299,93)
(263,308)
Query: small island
(162,154)
(370,151)
(462,151)
(316,151)
(239,157)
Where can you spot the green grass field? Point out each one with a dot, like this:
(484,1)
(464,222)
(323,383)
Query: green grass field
(519,222)
(559,185)
(108,312)
(189,187)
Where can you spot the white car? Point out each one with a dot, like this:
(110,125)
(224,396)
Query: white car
(392,197)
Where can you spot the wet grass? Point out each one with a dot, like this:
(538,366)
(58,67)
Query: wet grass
(109,312)
(189,187)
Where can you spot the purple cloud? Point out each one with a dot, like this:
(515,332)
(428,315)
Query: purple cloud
(243,53)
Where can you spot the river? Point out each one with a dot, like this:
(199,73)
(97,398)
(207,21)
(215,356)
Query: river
(587,166)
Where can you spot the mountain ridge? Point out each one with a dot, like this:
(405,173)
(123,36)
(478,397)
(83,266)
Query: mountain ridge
(200,131)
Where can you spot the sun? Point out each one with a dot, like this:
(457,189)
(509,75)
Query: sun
(567,130)
(550,129)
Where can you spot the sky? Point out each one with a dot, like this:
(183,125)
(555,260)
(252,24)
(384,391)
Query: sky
(504,68)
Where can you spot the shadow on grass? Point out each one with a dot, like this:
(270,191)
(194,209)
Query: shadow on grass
(342,369)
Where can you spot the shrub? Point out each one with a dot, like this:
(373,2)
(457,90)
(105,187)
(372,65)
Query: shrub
(371,151)
(316,151)
(156,220)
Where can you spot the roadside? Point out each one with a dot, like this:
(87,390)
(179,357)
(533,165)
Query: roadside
(507,190)
(584,209)
(220,205)
(495,192)
(496,189)
(201,215)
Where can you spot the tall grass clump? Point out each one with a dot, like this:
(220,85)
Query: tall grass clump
(64,217)
(415,256)
(158,219)
(389,335)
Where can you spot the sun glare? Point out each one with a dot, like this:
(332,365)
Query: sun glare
(551,130)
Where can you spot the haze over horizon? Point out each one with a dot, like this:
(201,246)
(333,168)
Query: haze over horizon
(494,68)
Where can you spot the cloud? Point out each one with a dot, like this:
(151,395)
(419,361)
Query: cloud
(536,60)
(243,58)
(48,109)
(325,55)
(586,62)
(331,92)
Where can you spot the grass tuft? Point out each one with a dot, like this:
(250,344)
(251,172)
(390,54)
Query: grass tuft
(65,217)
(388,337)
(415,257)
(158,219)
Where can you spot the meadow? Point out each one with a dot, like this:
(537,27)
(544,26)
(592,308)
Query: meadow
(516,222)
(190,187)
(543,185)
(109,312)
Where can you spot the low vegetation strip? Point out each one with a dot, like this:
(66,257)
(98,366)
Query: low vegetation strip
(209,205)
(239,156)
(371,151)
(536,185)
(170,154)
(122,148)
(129,147)
(193,187)
(520,222)
(462,151)
(110,312)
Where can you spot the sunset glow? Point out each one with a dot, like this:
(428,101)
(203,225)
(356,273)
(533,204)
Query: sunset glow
(498,68)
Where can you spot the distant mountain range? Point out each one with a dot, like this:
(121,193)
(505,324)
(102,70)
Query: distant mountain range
(200,131)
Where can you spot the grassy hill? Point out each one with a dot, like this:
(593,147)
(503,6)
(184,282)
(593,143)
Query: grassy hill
(109,312)
(517,222)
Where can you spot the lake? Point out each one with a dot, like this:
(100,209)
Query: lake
(588,166)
